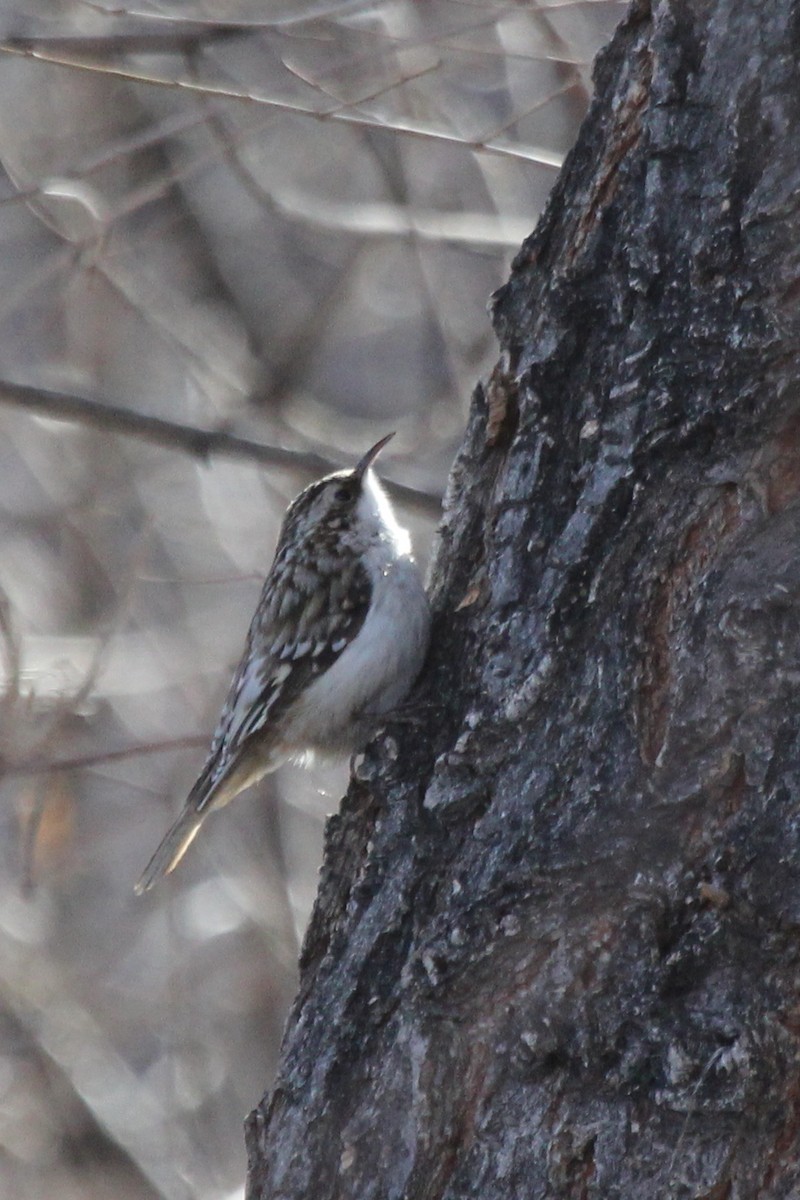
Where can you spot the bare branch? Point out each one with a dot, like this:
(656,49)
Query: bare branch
(199,443)
(32,48)
(82,762)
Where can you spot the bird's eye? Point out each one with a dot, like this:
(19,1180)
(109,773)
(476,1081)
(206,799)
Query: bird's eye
(344,492)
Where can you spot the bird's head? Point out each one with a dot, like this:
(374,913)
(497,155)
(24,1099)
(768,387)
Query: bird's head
(349,504)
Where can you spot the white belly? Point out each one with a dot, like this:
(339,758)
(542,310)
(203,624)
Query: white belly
(376,670)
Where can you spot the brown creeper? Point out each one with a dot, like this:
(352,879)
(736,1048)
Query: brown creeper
(337,639)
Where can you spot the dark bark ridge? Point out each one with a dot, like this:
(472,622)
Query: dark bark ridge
(555,950)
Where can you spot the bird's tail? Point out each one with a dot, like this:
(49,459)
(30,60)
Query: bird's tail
(172,848)
(215,787)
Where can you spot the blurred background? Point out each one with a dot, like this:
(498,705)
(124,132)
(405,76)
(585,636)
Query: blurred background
(280,221)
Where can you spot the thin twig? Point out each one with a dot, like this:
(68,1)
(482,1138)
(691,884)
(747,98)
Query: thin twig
(31,48)
(200,443)
(82,762)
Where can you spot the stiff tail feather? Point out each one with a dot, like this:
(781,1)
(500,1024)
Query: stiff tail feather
(171,848)
(215,788)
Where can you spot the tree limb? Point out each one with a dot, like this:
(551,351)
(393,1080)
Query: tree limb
(199,443)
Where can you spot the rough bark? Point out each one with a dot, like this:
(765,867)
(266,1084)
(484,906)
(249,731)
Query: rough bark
(556,950)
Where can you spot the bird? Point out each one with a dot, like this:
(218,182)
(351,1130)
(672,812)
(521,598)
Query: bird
(337,640)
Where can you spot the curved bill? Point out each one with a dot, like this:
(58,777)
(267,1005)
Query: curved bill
(366,462)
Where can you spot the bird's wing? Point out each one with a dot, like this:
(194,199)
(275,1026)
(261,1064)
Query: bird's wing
(301,626)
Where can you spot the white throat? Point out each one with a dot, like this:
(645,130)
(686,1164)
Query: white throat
(380,524)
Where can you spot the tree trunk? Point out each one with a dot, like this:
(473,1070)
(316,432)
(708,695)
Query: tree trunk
(556,950)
